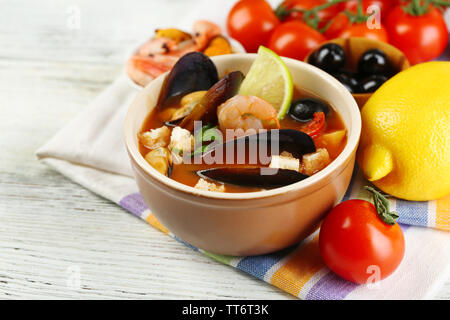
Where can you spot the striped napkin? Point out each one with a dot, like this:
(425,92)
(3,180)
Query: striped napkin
(98,161)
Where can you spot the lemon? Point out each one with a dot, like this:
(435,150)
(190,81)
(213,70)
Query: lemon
(405,139)
(269,79)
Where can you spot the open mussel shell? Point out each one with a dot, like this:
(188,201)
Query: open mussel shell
(253,177)
(206,109)
(192,72)
(259,147)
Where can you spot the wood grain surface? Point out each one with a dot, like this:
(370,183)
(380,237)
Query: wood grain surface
(58,240)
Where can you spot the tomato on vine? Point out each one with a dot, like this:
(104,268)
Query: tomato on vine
(295,39)
(251,22)
(419,30)
(358,240)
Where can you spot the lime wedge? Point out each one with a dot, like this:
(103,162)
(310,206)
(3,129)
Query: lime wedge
(269,79)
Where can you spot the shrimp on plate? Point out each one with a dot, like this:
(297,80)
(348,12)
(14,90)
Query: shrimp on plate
(160,53)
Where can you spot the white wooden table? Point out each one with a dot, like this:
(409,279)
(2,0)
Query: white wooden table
(52,229)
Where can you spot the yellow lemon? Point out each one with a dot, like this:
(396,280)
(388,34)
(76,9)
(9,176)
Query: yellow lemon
(405,139)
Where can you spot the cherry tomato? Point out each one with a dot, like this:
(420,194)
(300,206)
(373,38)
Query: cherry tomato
(324,15)
(251,22)
(357,245)
(362,30)
(295,39)
(421,38)
(337,25)
(352,5)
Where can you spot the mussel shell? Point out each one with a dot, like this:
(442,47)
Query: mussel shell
(192,72)
(206,109)
(276,141)
(253,177)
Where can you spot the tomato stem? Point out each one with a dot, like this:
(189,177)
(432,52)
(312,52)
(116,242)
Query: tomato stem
(382,206)
(310,16)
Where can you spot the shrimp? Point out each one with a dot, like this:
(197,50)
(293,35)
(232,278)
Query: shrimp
(144,69)
(247,112)
(204,31)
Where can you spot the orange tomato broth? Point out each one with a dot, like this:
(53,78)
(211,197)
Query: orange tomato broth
(185,173)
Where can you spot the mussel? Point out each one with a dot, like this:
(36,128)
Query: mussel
(259,147)
(192,72)
(255,152)
(206,109)
(253,177)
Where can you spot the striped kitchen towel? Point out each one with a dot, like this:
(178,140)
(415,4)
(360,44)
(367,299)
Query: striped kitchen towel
(99,163)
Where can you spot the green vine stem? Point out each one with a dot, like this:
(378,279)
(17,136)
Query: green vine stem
(382,206)
(420,7)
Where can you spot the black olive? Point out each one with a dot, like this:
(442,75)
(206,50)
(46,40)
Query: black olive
(372,83)
(348,79)
(330,57)
(374,61)
(303,110)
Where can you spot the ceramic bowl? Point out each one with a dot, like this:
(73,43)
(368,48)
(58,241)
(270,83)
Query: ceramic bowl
(247,223)
(354,48)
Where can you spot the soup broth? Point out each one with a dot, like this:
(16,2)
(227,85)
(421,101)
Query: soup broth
(187,173)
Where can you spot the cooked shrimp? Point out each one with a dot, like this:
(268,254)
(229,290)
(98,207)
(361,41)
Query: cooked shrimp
(247,112)
(161,45)
(204,31)
(144,69)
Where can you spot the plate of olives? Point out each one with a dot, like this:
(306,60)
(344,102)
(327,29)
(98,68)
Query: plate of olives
(362,65)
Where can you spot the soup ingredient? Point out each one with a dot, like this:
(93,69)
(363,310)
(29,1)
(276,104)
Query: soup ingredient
(303,110)
(160,159)
(330,57)
(204,185)
(193,72)
(155,138)
(361,242)
(251,22)
(217,46)
(181,144)
(269,79)
(285,161)
(404,148)
(206,109)
(315,126)
(247,112)
(374,61)
(254,177)
(372,83)
(276,142)
(419,31)
(188,102)
(294,39)
(314,162)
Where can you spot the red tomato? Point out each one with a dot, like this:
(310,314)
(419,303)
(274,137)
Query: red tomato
(421,38)
(324,15)
(251,22)
(316,125)
(352,5)
(357,245)
(361,30)
(337,25)
(295,39)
